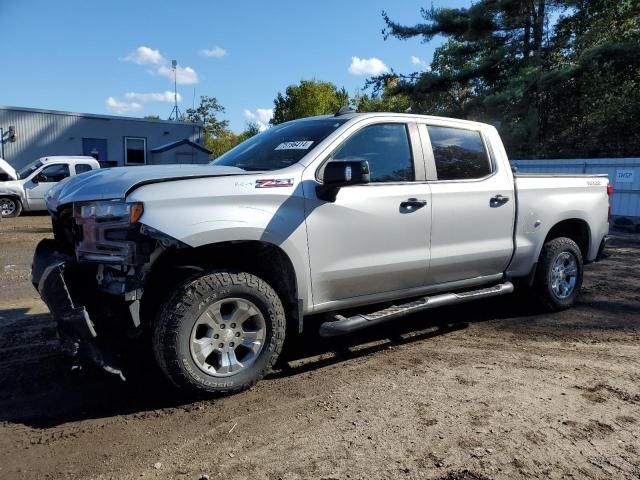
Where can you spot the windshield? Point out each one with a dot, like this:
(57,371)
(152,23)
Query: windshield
(280,146)
(24,172)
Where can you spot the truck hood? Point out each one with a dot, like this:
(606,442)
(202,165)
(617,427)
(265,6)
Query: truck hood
(8,169)
(110,183)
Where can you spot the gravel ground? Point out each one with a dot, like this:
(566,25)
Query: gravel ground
(492,390)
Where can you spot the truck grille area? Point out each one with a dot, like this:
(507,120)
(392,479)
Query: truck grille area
(115,242)
(64,230)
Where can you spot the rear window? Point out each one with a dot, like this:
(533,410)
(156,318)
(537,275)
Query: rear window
(279,146)
(82,167)
(459,154)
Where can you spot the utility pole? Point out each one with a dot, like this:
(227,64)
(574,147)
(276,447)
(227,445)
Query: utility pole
(176,110)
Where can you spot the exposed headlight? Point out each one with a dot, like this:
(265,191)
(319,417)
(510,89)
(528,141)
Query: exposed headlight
(107,211)
(106,231)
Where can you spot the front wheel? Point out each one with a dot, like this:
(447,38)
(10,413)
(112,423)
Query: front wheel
(10,207)
(559,274)
(219,333)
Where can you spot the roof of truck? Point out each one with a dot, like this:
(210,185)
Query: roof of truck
(408,116)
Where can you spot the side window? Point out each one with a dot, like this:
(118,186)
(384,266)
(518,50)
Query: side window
(54,173)
(459,153)
(82,167)
(386,148)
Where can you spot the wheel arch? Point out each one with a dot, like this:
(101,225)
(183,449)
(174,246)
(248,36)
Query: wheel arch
(575,229)
(263,259)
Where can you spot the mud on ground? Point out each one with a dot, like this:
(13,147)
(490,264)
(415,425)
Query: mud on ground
(492,390)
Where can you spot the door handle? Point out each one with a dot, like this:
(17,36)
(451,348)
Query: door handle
(413,203)
(498,200)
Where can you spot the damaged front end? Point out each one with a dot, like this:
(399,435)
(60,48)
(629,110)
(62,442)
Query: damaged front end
(92,277)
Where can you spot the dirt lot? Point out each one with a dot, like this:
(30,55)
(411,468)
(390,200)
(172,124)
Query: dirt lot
(499,393)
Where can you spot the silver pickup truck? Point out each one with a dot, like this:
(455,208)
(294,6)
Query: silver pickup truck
(379,215)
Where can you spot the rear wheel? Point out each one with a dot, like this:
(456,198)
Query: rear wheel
(220,332)
(559,274)
(10,207)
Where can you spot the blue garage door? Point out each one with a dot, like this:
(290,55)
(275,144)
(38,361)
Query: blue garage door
(95,147)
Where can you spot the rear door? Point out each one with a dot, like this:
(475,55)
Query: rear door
(473,205)
(374,238)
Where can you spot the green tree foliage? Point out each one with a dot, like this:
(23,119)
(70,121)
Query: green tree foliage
(226,140)
(217,136)
(594,88)
(560,78)
(387,101)
(207,113)
(308,98)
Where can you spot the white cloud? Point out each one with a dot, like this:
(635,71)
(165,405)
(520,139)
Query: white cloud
(420,62)
(260,116)
(160,66)
(145,56)
(216,52)
(166,96)
(118,106)
(184,75)
(367,66)
(134,101)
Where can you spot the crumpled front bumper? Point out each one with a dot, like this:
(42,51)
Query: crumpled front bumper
(49,273)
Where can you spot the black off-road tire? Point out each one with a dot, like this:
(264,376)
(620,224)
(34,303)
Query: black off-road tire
(176,318)
(18,207)
(543,290)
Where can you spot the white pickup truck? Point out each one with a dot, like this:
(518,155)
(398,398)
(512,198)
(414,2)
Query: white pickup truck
(24,190)
(380,215)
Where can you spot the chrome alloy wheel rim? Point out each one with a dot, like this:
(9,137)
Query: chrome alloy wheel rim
(7,206)
(564,274)
(228,337)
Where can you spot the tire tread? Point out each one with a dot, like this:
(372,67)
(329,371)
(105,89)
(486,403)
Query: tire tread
(166,329)
(541,285)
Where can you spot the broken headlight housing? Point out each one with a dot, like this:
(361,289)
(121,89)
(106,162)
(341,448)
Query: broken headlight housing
(107,230)
(107,210)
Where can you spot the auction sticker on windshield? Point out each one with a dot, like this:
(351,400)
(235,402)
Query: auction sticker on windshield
(299,145)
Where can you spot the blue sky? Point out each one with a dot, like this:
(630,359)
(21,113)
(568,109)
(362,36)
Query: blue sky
(85,56)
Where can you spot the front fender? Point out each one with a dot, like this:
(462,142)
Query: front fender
(12,189)
(237,212)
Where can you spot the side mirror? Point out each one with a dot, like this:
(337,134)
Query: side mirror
(339,174)
(36,179)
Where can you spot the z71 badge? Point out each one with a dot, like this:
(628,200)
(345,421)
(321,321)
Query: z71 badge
(274,182)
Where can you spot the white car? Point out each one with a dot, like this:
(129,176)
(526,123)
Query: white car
(24,190)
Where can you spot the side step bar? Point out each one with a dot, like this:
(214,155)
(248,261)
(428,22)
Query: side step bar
(343,325)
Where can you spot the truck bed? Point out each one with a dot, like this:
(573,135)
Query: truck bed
(544,200)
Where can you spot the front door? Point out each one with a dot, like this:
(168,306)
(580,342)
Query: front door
(374,238)
(41,182)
